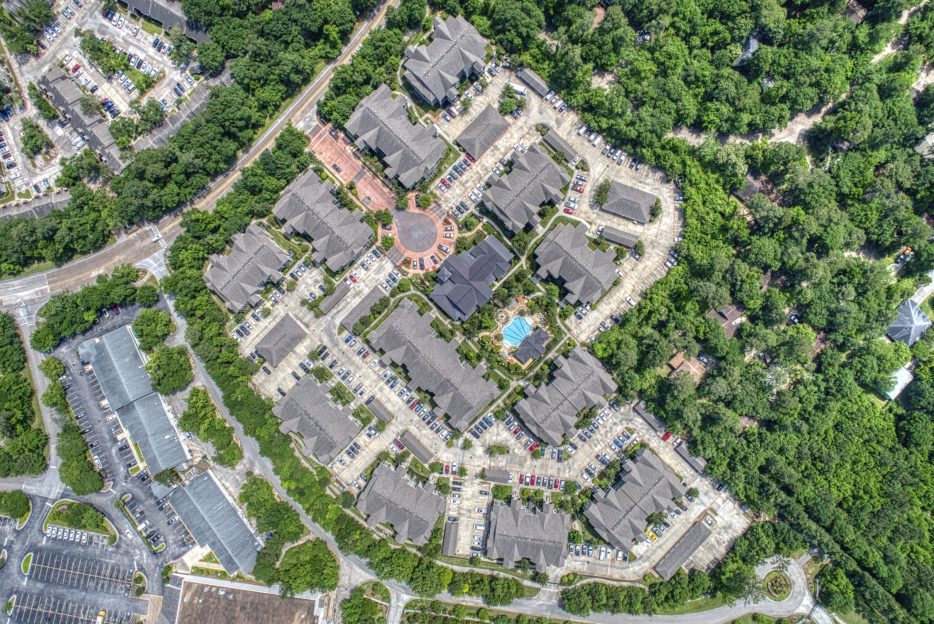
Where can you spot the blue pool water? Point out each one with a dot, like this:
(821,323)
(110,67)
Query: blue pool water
(516,331)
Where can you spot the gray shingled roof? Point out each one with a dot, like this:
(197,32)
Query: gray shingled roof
(556,142)
(120,371)
(118,366)
(653,421)
(214,521)
(629,203)
(412,510)
(378,409)
(281,340)
(149,426)
(456,52)
(449,542)
(645,485)
(564,256)
(517,533)
(533,80)
(910,323)
(421,452)
(534,180)
(619,237)
(238,276)
(694,461)
(410,151)
(167,13)
(330,301)
(579,382)
(533,346)
(362,308)
(465,280)
(672,561)
(481,133)
(307,411)
(66,96)
(433,365)
(309,207)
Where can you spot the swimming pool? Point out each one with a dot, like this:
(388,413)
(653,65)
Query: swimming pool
(516,331)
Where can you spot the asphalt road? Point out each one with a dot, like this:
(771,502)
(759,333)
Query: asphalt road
(136,246)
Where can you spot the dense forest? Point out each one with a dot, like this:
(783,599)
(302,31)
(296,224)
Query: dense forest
(22,439)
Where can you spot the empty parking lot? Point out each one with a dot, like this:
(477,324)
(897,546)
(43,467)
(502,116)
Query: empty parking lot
(34,608)
(81,574)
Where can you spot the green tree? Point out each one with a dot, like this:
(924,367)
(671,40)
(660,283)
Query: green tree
(151,327)
(170,369)
(602,193)
(310,566)
(836,590)
(14,504)
(12,355)
(35,140)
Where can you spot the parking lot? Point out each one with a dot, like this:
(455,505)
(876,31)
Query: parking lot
(658,236)
(83,538)
(81,574)
(31,608)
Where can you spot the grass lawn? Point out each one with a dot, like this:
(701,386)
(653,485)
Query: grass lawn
(694,606)
(27,561)
(852,617)
(776,585)
(81,517)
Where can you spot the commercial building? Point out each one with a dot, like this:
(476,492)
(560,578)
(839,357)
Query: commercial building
(254,261)
(579,382)
(645,486)
(408,340)
(209,601)
(629,202)
(456,53)
(518,533)
(481,133)
(412,510)
(309,208)
(150,428)
(535,179)
(215,522)
(66,96)
(411,152)
(465,280)
(306,411)
(565,256)
(120,370)
(281,340)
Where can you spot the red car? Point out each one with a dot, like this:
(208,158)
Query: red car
(75,68)
(579,189)
(533,448)
(557,484)
(353,278)
(568,211)
(521,478)
(667,436)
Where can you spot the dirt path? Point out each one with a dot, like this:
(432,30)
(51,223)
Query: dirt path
(794,131)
